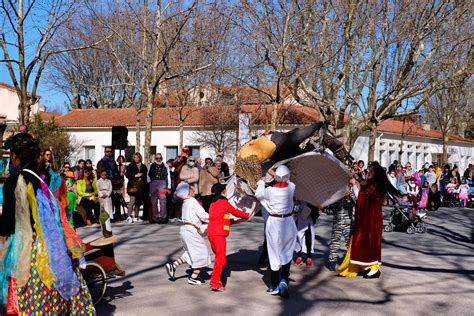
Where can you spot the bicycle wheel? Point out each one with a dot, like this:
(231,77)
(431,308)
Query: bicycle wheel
(96,281)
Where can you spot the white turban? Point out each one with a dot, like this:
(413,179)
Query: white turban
(182,190)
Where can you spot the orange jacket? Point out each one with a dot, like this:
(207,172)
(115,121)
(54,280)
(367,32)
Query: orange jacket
(219,217)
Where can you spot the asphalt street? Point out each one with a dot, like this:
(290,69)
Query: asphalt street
(422,274)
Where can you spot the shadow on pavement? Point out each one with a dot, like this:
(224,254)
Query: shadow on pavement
(112,293)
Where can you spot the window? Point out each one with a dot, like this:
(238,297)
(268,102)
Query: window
(171,152)
(391,155)
(195,151)
(129,151)
(89,153)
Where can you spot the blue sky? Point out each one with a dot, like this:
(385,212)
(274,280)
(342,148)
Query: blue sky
(50,98)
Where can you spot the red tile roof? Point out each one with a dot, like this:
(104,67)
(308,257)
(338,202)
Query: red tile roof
(261,115)
(412,129)
(47,116)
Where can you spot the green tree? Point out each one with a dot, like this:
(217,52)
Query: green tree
(52,136)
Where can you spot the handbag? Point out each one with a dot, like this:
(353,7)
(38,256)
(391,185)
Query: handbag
(132,189)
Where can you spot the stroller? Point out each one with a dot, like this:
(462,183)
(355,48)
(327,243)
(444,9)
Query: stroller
(402,218)
(450,199)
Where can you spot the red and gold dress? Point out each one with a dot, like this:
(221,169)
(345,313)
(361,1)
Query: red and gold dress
(365,249)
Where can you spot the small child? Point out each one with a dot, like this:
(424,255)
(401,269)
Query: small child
(196,252)
(463,192)
(307,216)
(71,196)
(218,230)
(413,191)
(104,186)
(451,187)
(404,202)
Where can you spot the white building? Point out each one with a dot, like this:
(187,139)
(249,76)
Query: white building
(92,130)
(419,144)
(9,104)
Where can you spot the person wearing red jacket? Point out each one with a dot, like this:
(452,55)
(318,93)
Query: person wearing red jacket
(218,229)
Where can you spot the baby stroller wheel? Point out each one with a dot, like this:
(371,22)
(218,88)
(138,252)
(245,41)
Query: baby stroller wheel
(452,204)
(420,229)
(388,228)
(410,230)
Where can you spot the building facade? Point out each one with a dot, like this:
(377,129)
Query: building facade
(91,130)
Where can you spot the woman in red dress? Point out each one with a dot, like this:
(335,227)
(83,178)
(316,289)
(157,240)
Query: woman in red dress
(364,255)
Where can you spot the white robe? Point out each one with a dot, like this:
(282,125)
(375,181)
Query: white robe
(196,252)
(303,221)
(280,232)
(105,188)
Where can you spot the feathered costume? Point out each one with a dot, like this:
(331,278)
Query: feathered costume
(38,266)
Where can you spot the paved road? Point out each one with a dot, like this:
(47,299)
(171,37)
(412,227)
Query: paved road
(422,274)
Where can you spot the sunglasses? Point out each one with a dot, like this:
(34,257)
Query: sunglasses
(158,158)
(192,160)
(108,151)
(66,167)
(87,172)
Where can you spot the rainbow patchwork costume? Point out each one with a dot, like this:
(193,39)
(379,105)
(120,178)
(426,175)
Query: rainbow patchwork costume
(38,270)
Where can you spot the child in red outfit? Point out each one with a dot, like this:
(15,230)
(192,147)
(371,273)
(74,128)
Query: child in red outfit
(218,230)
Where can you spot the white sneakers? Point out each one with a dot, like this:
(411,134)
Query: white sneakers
(134,220)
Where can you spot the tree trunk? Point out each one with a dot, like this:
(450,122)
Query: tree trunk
(372,140)
(274,121)
(137,132)
(181,135)
(348,136)
(445,148)
(148,127)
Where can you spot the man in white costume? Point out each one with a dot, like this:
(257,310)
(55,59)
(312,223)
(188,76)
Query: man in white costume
(280,229)
(196,252)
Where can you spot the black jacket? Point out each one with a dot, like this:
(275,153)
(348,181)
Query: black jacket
(158,172)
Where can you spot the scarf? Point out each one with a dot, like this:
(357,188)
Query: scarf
(281,185)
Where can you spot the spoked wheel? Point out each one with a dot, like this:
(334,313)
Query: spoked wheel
(410,230)
(96,281)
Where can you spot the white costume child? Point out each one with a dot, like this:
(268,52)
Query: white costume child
(195,219)
(305,226)
(104,186)
(280,229)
